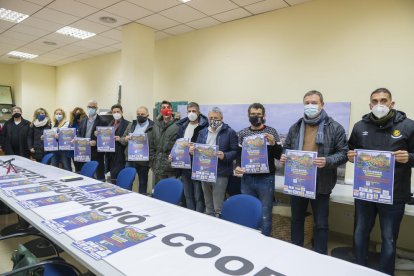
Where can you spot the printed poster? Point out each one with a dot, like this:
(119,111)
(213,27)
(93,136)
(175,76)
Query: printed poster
(374,176)
(114,191)
(254,154)
(180,154)
(105,139)
(16,183)
(66,135)
(27,191)
(44,201)
(67,223)
(113,241)
(96,187)
(205,163)
(82,150)
(138,149)
(50,142)
(300,173)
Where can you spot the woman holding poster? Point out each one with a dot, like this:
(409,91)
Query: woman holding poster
(61,156)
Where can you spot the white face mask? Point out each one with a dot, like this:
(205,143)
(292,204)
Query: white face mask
(311,110)
(117,116)
(192,116)
(58,117)
(380,110)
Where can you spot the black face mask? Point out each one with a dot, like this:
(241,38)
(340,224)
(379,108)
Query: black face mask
(256,121)
(17,115)
(141,119)
(77,117)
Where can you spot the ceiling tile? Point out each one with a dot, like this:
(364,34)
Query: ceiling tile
(40,2)
(158,22)
(90,26)
(183,14)
(128,10)
(72,7)
(295,2)
(211,7)
(17,36)
(6,59)
(59,38)
(31,50)
(5,24)
(87,44)
(100,4)
(41,24)
(113,34)
(26,29)
(246,2)
(265,6)
(161,35)
(20,6)
(55,16)
(180,29)
(203,23)
(154,5)
(40,45)
(104,41)
(73,49)
(95,18)
(232,15)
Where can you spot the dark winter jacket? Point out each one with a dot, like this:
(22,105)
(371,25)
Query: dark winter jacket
(115,161)
(396,134)
(227,142)
(162,140)
(34,140)
(334,149)
(23,128)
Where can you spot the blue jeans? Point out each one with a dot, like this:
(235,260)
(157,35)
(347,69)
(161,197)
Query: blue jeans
(390,217)
(142,172)
(61,157)
(261,186)
(193,193)
(320,210)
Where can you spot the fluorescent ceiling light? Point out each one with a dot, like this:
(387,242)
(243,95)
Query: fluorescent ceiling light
(12,16)
(75,32)
(184,1)
(22,55)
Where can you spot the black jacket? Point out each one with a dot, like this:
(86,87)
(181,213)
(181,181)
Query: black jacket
(24,128)
(334,149)
(396,134)
(115,161)
(34,141)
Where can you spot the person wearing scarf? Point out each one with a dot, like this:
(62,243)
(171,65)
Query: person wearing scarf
(383,129)
(40,122)
(316,132)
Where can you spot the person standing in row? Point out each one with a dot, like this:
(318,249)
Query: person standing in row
(316,132)
(190,127)
(260,185)
(165,132)
(40,122)
(76,116)
(383,129)
(139,126)
(220,134)
(61,156)
(115,161)
(87,129)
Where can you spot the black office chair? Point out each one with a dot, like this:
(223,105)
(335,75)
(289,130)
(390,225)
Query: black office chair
(32,266)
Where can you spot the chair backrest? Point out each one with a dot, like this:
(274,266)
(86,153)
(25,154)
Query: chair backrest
(126,178)
(89,168)
(47,158)
(169,190)
(242,209)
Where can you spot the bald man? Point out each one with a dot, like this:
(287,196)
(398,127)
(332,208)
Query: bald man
(87,128)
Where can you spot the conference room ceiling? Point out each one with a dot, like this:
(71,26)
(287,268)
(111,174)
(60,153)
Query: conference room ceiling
(37,33)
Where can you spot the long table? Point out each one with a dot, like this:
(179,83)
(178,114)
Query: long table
(178,241)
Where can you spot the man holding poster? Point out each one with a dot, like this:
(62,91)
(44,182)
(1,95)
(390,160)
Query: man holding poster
(383,129)
(262,184)
(222,135)
(87,129)
(316,132)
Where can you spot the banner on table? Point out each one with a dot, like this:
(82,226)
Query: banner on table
(138,149)
(66,136)
(105,139)
(300,173)
(113,241)
(50,142)
(27,191)
(15,183)
(114,191)
(82,150)
(96,187)
(254,154)
(205,163)
(180,154)
(44,201)
(374,176)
